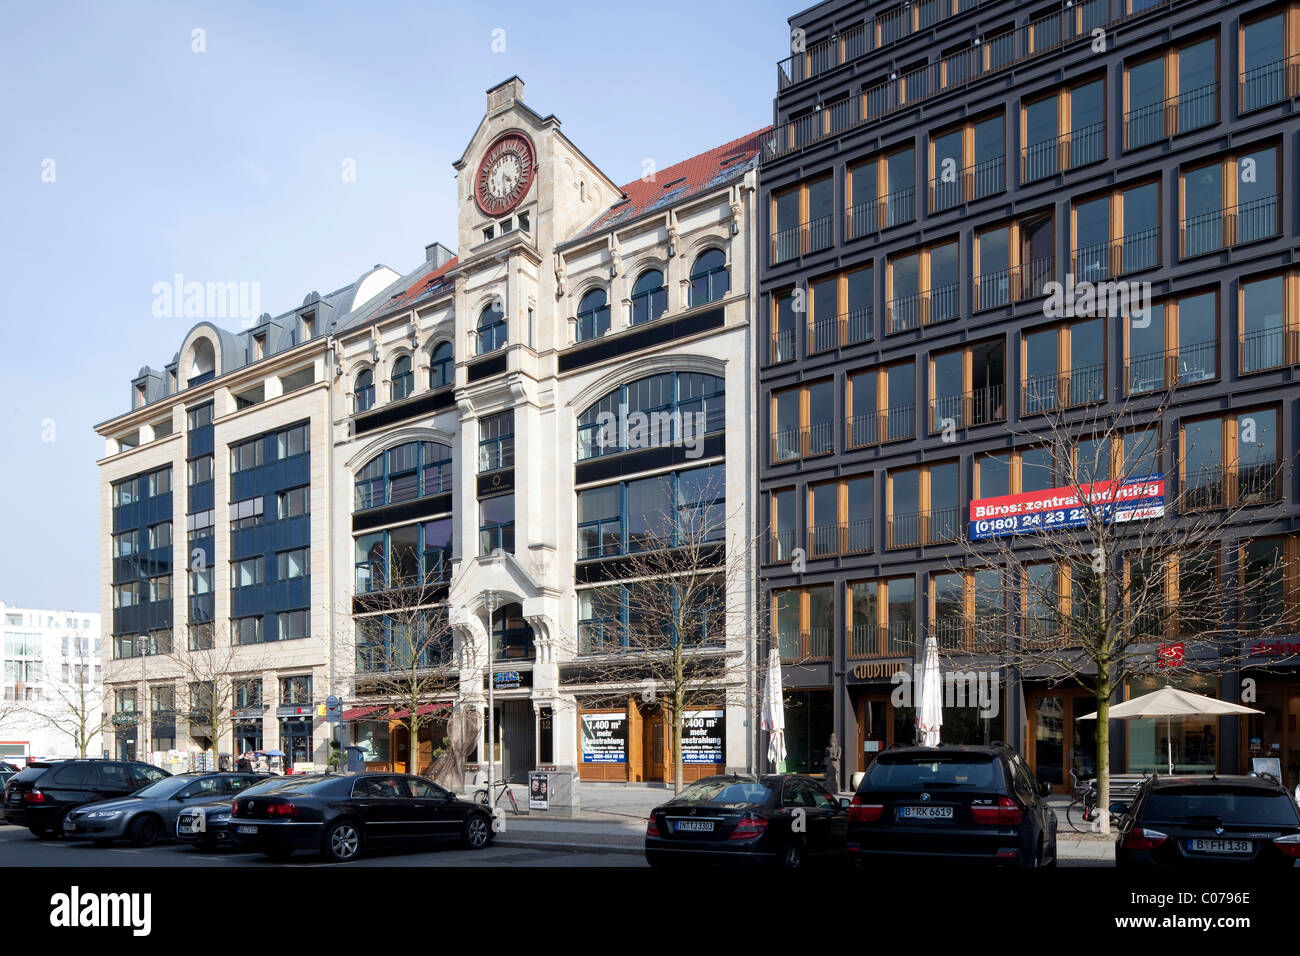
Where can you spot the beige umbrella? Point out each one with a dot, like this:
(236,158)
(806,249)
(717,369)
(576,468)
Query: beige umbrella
(1169,702)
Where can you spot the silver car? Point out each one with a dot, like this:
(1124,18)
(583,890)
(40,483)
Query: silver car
(151,812)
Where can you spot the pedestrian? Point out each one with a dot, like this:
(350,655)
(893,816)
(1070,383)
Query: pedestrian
(244,765)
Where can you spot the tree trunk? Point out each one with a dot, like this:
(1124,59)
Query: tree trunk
(1103,756)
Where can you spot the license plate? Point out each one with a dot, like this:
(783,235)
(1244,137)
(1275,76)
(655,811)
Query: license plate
(925,813)
(185,827)
(245,829)
(1220,846)
(15,797)
(694,826)
(69,825)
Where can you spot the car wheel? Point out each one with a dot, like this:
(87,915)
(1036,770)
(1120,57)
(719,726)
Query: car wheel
(342,842)
(41,833)
(477,832)
(792,856)
(144,831)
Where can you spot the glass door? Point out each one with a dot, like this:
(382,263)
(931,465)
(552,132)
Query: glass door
(1047,732)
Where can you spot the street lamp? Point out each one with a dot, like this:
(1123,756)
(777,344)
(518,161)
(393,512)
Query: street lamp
(491,599)
(142,647)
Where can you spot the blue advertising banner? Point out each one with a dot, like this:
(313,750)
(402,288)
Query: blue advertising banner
(1035,511)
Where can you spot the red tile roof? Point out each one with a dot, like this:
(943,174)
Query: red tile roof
(422,285)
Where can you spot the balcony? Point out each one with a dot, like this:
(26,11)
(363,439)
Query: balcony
(973,182)
(802,239)
(1222,486)
(782,346)
(1044,393)
(896,639)
(1269,84)
(782,546)
(1002,287)
(972,635)
(1105,260)
(1269,348)
(831,540)
(811,645)
(1185,365)
(897,423)
(1220,229)
(967,409)
(1177,114)
(937,526)
(837,331)
(894,209)
(806,442)
(1067,151)
(925,308)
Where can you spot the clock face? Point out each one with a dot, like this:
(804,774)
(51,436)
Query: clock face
(505,174)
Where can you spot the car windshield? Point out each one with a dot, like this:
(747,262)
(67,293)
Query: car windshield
(1220,805)
(727,791)
(924,771)
(163,788)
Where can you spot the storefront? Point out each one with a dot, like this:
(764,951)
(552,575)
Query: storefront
(248,734)
(1273,735)
(296,740)
(632,744)
(384,737)
(1056,739)
(1195,740)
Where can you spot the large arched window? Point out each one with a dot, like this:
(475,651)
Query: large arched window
(441,370)
(416,469)
(512,636)
(491,329)
(593,315)
(203,365)
(363,391)
(403,378)
(709,278)
(658,410)
(649,297)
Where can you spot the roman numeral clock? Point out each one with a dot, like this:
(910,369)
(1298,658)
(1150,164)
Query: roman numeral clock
(505,173)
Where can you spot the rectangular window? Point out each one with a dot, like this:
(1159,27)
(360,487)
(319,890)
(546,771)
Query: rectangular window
(839,517)
(293,564)
(783,327)
(496,446)
(1064,130)
(246,630)
(1268,603)
(1174,343)
(924,287)
(1063,365)
(805,622)
(160,482)
(803,219)
(1267,64)
(199,524)
(802,421)
(248,572)
(247,692)
(1014,261)
(160,535)
(125,493)
(199,417)
(126,544)
(922,506)
(841,310)
(967,610)
(881,192)
(126,595)
(968,162)
(293,503)
(200,581)
(497,524)
(784,521)
(246,514)
(160,588)
(296,380)
(880,405)
(968,387)
(200,470)
(293,625)
(881,618)
(296,690)
(1233,200)
(1116,233)
(293,441)
(1231,460)
(1267,325)
(1174,92)
(246,455)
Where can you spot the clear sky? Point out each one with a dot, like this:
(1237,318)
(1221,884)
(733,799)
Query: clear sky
(226,166)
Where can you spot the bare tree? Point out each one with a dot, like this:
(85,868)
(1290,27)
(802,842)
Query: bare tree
(75,708)
(1113,582)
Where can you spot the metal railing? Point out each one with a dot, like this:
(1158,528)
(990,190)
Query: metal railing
(984,632)
(811,236)
(812,644)
(1002,287)
(940,304)
(782,545)
(1221,228)
(1116,257)
(1078,386)
(896,423)
(850,537)
(805,442)
(1221,486)
(892,209)
(970,183)
(1180,113)
(979,406)
(1269,348)
(1268,84)
(1184,365)
(936,526)
(882,640)
(1067,151)
(836,331)
(782,345)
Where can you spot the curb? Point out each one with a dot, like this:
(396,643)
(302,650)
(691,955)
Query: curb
(569,847)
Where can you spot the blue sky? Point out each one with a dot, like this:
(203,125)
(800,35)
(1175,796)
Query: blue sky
(226,165)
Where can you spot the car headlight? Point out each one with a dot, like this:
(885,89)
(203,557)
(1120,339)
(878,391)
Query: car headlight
(103,814)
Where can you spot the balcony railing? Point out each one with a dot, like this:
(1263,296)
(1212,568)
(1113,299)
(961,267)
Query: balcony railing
(973,182)
(983,633)
(896,423)
(1270,83)
(802,239)
(850,537)
(1223,486)
(1180,113)
(1221,228)
(926,308)
(1184,365)
(1025,281)
(894,209)
(836,331)
(1076,387)
(937,526)
(806,442)
(1130,253)
(782,545)
(967,409)
(782,345)
(1081,146)
(813,644)
(1269,348)
(898,638)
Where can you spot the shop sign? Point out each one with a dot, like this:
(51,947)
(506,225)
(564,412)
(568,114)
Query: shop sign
(1171,655)
(1275,648)
(604,738)
(878,670)
(702,735)
(1055,508)
(510,680)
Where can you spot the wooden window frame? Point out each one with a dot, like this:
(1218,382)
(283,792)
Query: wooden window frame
(841,279)
(805,413)
(1229,165)
(841,517)
(1016,257)
(1171,56)
(1170,312)
(881,161)
(883,408)
(924,501)
(967,130)
(1290,319)
(923,287)
(1064,367)
(805,615)
(1115,234)
(1230,461)
(1064,127)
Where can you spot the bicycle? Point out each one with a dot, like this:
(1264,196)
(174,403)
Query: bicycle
(1079,814)
(503,789)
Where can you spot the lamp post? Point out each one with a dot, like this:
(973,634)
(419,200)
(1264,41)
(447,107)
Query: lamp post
(491,599)
(142,647)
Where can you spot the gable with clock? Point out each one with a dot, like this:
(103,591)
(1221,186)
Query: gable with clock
(505,174)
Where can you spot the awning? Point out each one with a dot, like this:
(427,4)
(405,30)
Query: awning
(384,713)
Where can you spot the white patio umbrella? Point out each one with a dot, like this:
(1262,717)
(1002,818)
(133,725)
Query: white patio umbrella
(1169,702)
(774,710)
(929,697)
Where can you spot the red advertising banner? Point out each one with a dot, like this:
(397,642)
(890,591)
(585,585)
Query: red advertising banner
(1062,508)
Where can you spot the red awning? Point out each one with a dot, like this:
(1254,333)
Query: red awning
(383,713)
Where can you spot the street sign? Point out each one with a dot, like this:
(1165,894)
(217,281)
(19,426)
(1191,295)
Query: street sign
(333,709)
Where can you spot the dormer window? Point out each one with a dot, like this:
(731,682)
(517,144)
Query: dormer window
(139,396)
(259,345)
(308,327)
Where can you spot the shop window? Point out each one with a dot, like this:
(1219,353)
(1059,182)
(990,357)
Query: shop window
(922,506)
(1174,343)
(1062,131)
(841,310)
(881,192)
(924,287)
(1062,365)
(803,424)
(1116,233)
(802,219)
(968,386)
(968,162)
(881,405)
(1174,92)
(882,618)
(805,622)
(839,517)
(1231,460)
(1013,262)
(1268,323)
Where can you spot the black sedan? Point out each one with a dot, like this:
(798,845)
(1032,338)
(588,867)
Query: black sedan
(339,816)
(742,820)
(952,804)
(1186,821)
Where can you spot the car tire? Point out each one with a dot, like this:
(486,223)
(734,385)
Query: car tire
(476,834)
(41,833)
(144,830)
(342,841)
(792,857)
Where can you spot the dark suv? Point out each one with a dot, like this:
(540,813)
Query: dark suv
(1184,821)
(40,796)
(955,804)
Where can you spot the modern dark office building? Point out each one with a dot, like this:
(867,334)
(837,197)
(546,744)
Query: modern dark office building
(934,166)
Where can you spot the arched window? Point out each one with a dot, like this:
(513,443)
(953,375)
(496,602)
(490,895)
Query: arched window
(709,278)
(403,378)
(649,297)
(593,315)
(364,391)
(651,412)
(203,365)
(491,330)
(441,371)
(415,469)
(512,636)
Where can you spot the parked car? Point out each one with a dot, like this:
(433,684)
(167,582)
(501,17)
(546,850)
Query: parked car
(341,816)
(41,796)
(743,820)
(207,825)
(7,767)
(150,813)
(977,804)
(1185,821)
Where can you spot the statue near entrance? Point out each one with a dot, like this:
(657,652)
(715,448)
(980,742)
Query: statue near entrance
(832,764)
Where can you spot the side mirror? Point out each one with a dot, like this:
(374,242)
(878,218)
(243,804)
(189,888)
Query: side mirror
(1118,809)
(846,802)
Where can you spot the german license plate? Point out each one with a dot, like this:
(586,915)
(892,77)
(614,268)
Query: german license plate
(694,826)
(185,826)
(1220,846)
(245,829)
(925,813)
(69,825)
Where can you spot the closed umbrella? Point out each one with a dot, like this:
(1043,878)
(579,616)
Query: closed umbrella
(929,698)
(1169,702)
(774,711)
